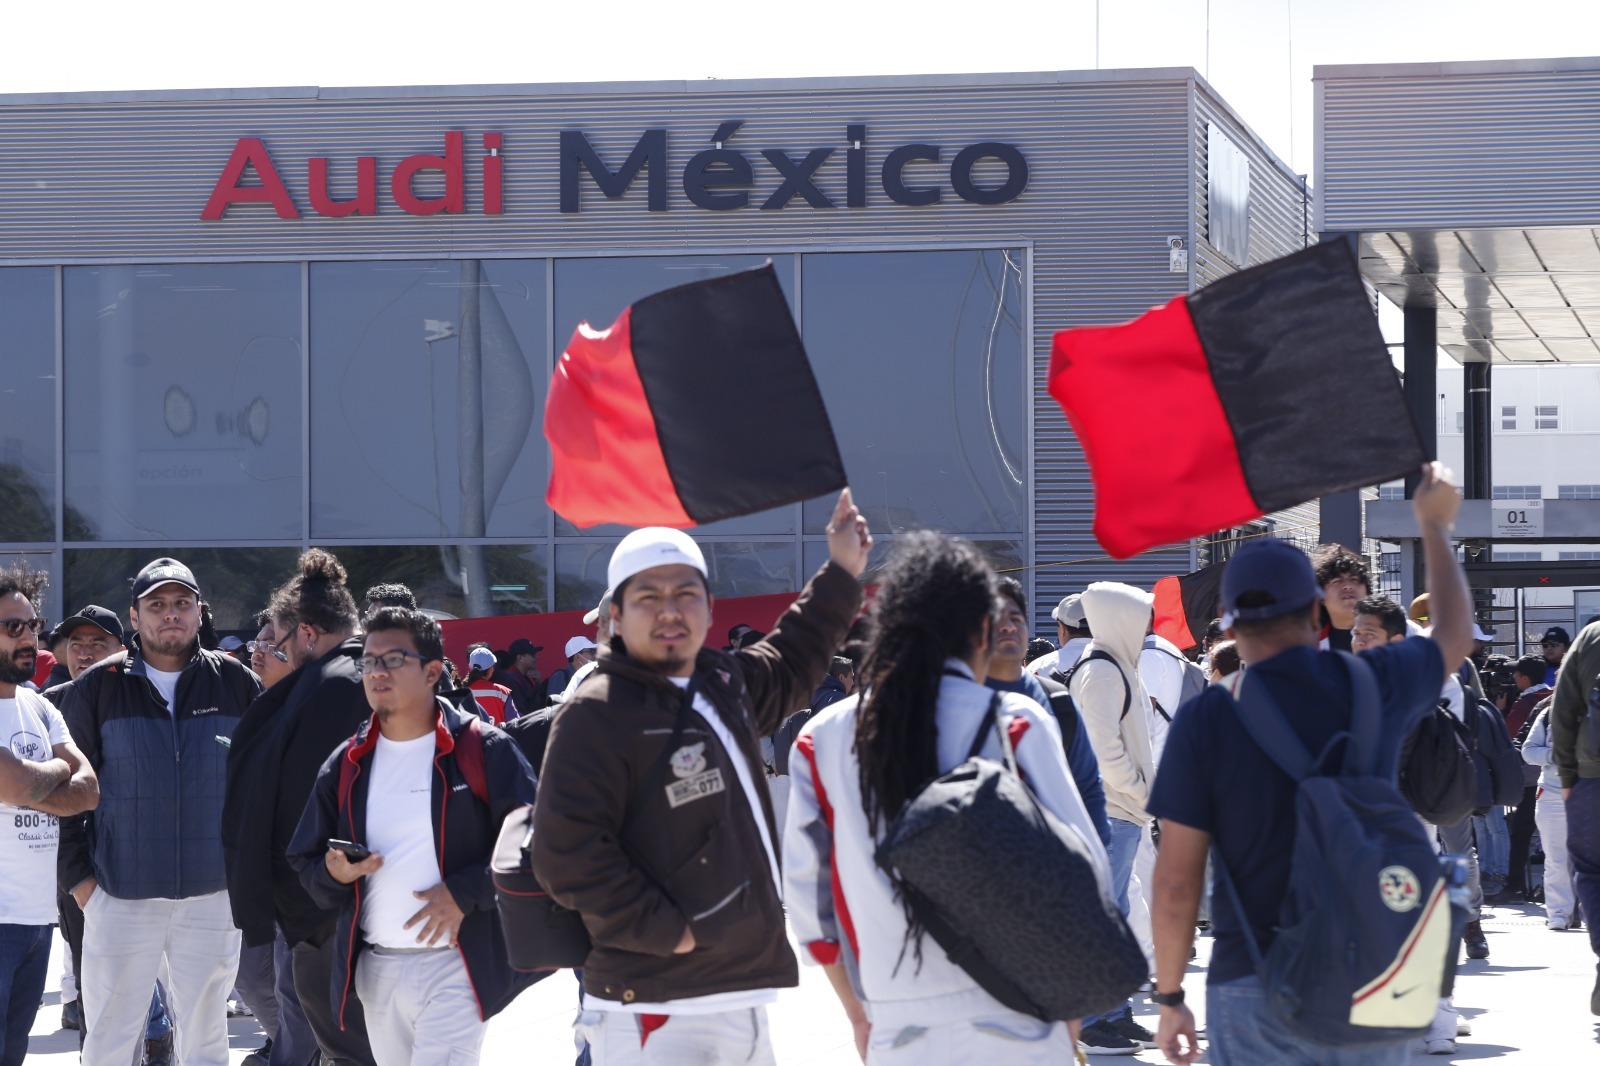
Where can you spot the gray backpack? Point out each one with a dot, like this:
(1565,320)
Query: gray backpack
(1009,892)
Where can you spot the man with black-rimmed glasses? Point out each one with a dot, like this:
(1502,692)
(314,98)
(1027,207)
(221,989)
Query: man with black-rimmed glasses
(397,838)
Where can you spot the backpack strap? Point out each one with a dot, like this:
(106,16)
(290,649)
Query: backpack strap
(1261,718)
(469,758)
(989,720)
(658,769)
(1099,653)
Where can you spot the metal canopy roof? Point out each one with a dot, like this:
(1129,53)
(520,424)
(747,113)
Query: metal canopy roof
(1502,295)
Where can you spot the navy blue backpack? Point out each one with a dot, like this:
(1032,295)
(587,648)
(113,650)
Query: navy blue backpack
(1366,932)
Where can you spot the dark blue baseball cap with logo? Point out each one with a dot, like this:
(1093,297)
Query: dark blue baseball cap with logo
(161,572)
(1266,578)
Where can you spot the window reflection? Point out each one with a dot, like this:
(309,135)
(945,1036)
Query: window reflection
(183,401)
(458,581)
(427,393)
(236,582)
(28,405)
(597,290)
(738,568)
(922,364)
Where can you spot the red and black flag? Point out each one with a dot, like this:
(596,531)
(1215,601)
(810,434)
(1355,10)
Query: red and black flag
(697,404)
(1263,390)
(1186,605)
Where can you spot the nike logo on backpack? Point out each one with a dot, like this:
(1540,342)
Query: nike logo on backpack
(1407,992)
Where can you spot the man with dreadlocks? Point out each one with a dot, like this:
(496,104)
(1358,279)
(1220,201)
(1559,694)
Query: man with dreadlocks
(653,819)
(856,764)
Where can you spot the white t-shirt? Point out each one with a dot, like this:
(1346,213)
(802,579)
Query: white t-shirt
(400,828)
(717,1002)
(32,728)
(166,683)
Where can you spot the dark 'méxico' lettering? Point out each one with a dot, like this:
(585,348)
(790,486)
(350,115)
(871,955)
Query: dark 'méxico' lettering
(894,184)
(797,178)
(968,190)
(651,151)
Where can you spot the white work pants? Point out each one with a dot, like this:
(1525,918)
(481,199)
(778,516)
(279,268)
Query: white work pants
(123,943)
(729,1038)
(1550,815)
(420,1008)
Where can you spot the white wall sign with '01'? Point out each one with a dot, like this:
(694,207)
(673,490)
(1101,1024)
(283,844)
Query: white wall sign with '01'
(1518,518)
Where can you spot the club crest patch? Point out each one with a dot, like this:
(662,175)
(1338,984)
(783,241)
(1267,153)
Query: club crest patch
(689,760)
(1400,889)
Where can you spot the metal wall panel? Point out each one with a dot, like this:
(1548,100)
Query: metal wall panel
(1111,155)
(1279,224)
(1457,146)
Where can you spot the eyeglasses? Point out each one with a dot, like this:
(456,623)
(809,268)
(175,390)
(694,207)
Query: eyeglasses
(266,647)
(389,660)
(15,626)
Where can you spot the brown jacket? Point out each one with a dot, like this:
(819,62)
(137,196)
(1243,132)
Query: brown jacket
(698,864)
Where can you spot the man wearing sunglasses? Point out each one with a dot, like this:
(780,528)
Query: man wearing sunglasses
(397,838)
(146,867)
(43,776)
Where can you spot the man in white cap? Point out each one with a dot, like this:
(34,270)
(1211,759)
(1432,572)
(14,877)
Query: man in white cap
(653,819)
(495,699)
(579,652)
(1072,636)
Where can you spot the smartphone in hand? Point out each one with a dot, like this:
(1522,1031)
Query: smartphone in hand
(352,851)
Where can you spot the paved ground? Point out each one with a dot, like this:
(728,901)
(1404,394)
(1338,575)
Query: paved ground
(1528,1004)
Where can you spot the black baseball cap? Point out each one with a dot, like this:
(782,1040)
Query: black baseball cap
(164,571)
(524,646)
(1556,635)
(1272,575)
(92,615)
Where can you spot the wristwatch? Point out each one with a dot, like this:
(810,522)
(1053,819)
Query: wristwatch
(1167,999)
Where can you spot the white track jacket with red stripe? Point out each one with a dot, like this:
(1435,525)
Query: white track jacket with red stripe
(843,907)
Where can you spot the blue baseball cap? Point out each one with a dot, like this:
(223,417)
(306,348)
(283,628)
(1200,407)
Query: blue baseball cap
(1273,575)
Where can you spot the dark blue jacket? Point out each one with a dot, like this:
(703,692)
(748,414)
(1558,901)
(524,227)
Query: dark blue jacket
(464,832)
(1080,753)
(831,691)
(157,833)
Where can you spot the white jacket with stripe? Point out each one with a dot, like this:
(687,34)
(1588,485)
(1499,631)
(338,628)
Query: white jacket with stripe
(843,908)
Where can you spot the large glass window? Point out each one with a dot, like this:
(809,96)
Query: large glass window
(597,290)
(236,582)
(427,397)
(183,401)
(28,405)
(922,364)
(458,581)
(738,568)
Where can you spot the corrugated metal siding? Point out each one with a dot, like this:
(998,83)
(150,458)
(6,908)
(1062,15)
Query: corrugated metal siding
(1110,166)
(1410,149)
(1279,218)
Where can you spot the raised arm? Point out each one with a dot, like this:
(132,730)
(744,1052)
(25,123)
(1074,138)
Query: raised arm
(1435,503)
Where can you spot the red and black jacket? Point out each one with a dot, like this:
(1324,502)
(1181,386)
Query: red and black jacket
(469,803)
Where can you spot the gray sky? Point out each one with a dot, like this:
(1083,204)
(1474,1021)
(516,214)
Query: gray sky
(1259,56)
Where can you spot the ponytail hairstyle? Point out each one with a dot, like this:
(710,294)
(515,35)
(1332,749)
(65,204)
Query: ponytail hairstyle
(934,596)
(316,596)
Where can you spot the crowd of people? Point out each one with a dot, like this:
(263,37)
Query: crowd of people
(311,830)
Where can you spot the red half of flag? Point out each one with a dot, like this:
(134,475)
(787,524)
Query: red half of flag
(697,404)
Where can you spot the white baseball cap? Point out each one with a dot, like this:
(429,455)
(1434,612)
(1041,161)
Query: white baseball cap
(650,547)
(594,616)
(577,644)
(481,659)
(1069,611)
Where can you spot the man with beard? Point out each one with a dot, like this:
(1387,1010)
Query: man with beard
(42,776)
(281,743)
(146,868)
(91,635)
